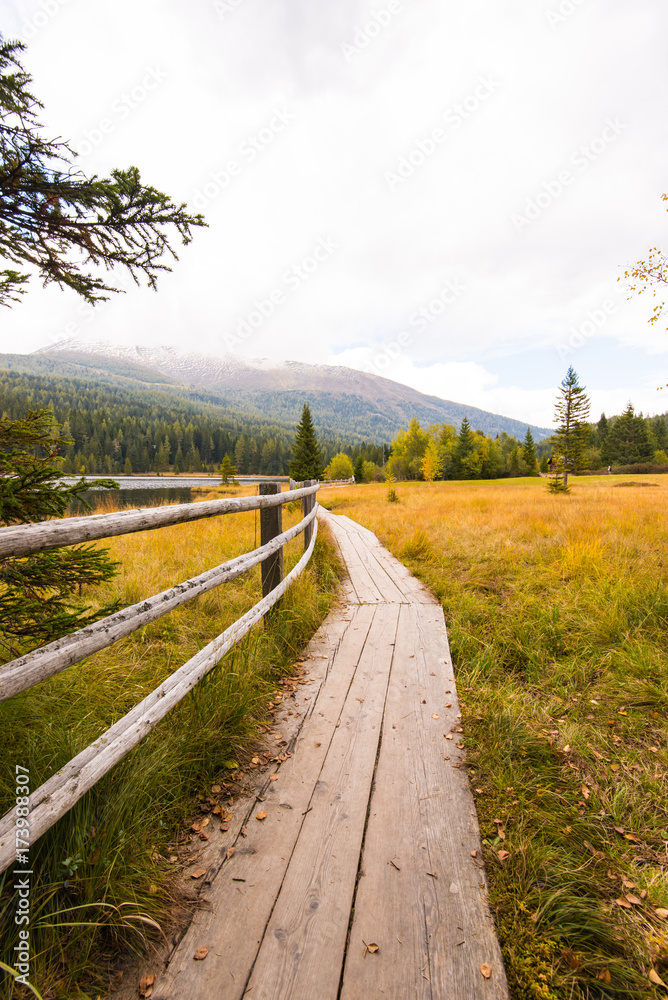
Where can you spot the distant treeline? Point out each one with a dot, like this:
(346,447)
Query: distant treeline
(115,430)
(443,452)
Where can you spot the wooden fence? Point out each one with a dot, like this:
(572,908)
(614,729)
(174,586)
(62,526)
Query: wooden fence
(60,792)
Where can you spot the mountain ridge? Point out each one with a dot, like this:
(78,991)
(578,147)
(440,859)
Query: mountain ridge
(343,400)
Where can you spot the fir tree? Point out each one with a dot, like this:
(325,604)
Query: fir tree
(571,413)
(464,446)
(358,470)
(306,458)
(529,454)
(70,227)
(628,440)
(40,595)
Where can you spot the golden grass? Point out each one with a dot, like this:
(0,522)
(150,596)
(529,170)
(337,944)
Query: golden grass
(110,849)
(557,612)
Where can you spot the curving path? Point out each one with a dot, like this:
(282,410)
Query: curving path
(360,881)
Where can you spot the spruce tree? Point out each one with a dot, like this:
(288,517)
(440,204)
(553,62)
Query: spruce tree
(306,457)
(571,414)
(628,440)
(529,455)
(69,227)
(40,595)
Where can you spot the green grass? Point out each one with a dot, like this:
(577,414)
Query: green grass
(557,614)
(102,875)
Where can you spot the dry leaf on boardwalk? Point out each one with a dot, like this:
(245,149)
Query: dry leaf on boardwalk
(201,953)
(198,873)
(146,985)
(262,814)
(370,948)
(486,970)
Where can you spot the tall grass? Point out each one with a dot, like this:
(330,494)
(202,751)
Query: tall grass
(557,613)
(102,874)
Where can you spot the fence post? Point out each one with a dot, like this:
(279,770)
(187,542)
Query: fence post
(308,503)
(271,524)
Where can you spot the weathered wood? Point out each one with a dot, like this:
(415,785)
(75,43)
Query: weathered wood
(270,526)
(239,910)
(24,672)
(308,503)
(304,943)
(57,795)
(24,539)
(422,898)
(410,586)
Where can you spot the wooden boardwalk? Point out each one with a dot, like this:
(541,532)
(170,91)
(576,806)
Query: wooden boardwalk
(360,881)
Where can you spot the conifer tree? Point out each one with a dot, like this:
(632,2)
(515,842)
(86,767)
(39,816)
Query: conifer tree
(70,227)
(227,471)
(529,454)
(571,413)
(306,457)
(628,440)
(40,597)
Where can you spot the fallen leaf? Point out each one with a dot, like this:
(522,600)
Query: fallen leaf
(627,884)
(474,854)
(654,977)
(205,836)
(632,838)
(244,831)
(230,852)
(486,970)
(571,960)
(604,974)
(448,704)
(585,791)
(567,748)
(619,829)
(373,948)
(614,767)
(317,744)
(449,736)
(633,899)
(224,827)
(262,814)
(660,912)
(435,716)
(624,903)
(502,855)
(273,777)
(201,953)
(146,985)
(215,789)
(198,873)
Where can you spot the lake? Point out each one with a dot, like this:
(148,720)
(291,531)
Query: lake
(151,491)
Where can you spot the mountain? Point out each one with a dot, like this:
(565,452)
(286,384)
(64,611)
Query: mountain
(344,402)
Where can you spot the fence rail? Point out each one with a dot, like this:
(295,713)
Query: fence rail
(60,792)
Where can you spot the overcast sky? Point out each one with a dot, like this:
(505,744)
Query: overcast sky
(441,193)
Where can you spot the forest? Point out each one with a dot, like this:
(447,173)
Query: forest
(113,430)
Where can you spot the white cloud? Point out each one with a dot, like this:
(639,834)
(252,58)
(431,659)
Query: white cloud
(223,80)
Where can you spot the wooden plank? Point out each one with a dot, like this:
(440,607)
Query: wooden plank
(378,571)
(239,910)
(365,588)
(422,898)
(408,584)
(303,947)
(24,539)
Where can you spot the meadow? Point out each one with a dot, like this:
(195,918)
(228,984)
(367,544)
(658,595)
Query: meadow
(105,871)
(557,613)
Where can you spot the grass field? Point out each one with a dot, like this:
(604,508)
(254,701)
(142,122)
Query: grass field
(103,871)
(557,612)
